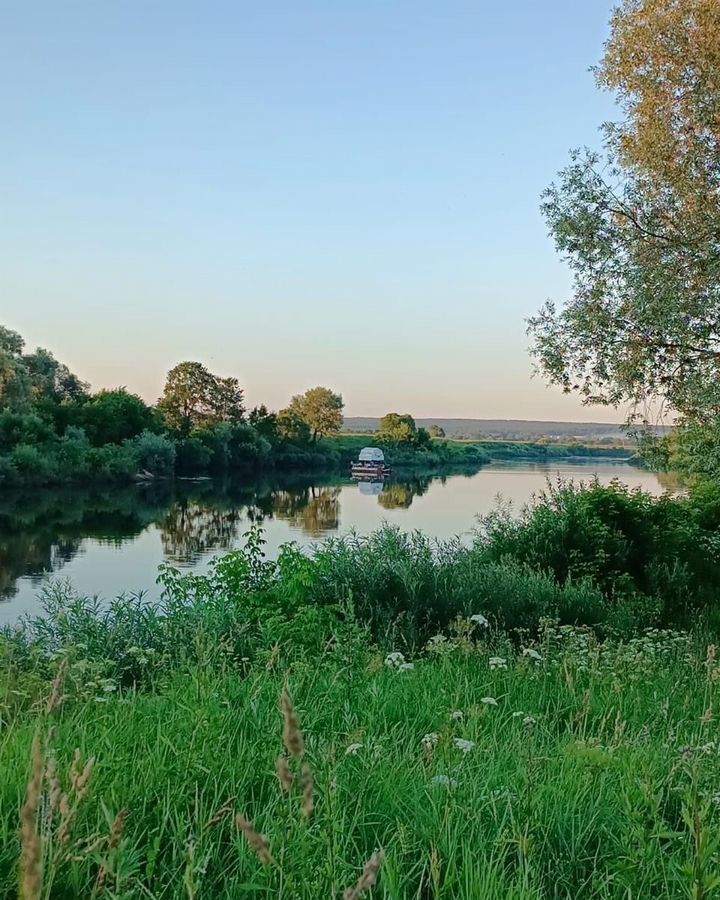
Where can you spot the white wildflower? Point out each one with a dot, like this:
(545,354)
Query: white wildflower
(489,701)
(529,721)
(444,780)
(532,654)
(352,749)
(457,715)
(430,740)
(518,715)
(462,744)
(479,619)
(406,666)
(394,660)
(497,662)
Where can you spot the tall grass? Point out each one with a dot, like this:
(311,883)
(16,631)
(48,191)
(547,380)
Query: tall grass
(505,719)
(591,771)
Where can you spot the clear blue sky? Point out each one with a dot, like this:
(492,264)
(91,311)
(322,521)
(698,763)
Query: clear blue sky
(339,192)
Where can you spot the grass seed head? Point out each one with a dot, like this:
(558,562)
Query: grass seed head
(292,735)
(31,842)
(368,877)
(220,814)
(113,841)
(285,776)
(258,842)
(56,697)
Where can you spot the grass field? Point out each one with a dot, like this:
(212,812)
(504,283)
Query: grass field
(577,770)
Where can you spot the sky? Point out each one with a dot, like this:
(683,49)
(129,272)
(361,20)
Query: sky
(295,192)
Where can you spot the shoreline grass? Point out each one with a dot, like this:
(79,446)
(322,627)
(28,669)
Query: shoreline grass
(585,769)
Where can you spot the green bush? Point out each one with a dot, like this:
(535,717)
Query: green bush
(153,453)
(32,463)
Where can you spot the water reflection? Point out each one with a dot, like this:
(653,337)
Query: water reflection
(112,540)
(42,531)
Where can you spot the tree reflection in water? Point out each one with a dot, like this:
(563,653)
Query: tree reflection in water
(41,530)
(315,510)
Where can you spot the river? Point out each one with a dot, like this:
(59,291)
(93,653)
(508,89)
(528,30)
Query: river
(111,541)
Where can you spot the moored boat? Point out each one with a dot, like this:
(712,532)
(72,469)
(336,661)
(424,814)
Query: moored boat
(370,464)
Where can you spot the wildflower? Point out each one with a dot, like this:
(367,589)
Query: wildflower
(352,749)
(489,701)
(394,660)
(444,781)
(457,715)
(529,721)
(430,740)
(479,619)
(497,662)
(532,654)
(462,744)
(518,715)
(406,667)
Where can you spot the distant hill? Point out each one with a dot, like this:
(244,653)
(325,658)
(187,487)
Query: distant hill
(507,429)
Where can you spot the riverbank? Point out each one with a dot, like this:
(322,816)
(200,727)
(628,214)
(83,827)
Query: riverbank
(478,770)
(477,713)
(71,459)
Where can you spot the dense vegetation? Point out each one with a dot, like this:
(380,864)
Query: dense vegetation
(481,714)
(53,430)
(638,225)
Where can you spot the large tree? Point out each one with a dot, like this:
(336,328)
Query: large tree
(34,378)
(320,409)
(640,223)
(195,398)
(396,428)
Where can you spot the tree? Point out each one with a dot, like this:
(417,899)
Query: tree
(320,409)
(397,429)
(111,417)
(640,224)
(15,383)
(264,422)
(291,427)
(195,398)
(10,341)
(436,431)
(423,441)
(53,381)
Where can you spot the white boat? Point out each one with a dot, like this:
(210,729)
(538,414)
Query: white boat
(370,464)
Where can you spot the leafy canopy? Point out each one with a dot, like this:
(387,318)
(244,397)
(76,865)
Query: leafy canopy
(319,408)
(398,429)
(640,223)
(195,398)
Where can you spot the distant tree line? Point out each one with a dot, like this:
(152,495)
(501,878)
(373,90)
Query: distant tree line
(54,428)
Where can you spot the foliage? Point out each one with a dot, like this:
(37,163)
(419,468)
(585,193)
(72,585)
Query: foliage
(195,398)
(397,429)
(562,767)
(154,453)
(639,229)
(292,427)
(111,417)
(320,409)
(264,422)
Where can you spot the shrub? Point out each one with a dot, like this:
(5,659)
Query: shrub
(153,453)
(32,463)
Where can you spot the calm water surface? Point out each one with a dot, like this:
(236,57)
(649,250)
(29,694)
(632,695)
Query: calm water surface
(111,541)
